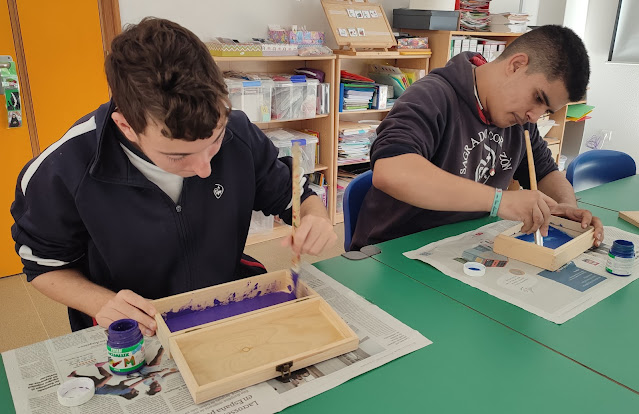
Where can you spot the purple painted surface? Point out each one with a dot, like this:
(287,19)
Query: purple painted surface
(189,317)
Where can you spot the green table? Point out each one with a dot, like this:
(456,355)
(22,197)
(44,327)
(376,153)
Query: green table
(603,338)
(620,195)
(474,365)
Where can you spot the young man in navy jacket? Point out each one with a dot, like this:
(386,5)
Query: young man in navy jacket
(152,194)
(455,139)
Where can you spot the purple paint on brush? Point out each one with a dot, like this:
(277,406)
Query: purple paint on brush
(188,318)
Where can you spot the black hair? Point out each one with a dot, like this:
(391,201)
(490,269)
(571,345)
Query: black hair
(558,53)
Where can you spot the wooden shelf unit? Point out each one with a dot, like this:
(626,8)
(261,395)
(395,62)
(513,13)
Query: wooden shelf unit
(439,41)
(359,64)
(324,124)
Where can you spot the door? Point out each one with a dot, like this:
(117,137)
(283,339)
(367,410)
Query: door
(60,57)
(15,151)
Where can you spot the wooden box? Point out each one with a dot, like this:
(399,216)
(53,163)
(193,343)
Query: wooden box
(508,245)
(229,354)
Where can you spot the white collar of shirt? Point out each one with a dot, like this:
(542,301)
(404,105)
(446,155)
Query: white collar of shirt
(171,184)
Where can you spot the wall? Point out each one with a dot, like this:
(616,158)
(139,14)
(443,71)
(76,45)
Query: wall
(551,12)
(575,16)
(613,86)
(237,19)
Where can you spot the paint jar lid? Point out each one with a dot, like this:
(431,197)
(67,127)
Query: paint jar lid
(623,248)
(474,269)
(76,391)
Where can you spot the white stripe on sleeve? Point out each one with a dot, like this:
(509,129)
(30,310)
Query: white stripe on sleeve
(77,130)
(26,253)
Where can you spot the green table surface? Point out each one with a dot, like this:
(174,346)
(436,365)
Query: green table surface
(474,365)
(604,337)
(620,195)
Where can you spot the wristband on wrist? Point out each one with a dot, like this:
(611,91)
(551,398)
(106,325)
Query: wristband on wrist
(496,202)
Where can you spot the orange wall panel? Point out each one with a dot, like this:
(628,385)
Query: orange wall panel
(15,151)
(65,60)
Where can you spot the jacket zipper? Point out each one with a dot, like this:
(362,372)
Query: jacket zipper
(179,207)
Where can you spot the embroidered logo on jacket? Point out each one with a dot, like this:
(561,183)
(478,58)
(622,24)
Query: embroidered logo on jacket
(218,190)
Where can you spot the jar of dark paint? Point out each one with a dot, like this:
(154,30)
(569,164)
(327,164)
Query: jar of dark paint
(125,347)
(621,258)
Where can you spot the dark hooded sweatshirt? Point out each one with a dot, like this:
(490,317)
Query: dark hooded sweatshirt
(439,119)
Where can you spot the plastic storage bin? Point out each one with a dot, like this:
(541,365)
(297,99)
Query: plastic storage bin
(252,97)
(260,223)
(321,192)
(339,205)
(295,98)
(323,98)
(283,140)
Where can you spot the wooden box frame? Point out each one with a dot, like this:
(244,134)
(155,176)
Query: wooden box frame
(550,259)
(229,354)
(377,43)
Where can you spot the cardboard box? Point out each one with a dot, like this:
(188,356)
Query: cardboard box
(236,49)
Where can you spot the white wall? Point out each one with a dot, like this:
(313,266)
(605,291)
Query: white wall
(551,12)
(614,87)
(238,19)
(576,15)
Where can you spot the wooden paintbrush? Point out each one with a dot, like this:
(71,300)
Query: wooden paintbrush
(533,179)
(297,155)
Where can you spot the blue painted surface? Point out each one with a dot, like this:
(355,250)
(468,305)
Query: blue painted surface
(554,239)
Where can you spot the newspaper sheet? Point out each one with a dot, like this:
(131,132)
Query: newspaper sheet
(35,371)
(557,296)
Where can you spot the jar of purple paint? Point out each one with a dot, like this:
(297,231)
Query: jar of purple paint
(125,347)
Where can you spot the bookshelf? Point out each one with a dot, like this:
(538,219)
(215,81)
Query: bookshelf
(359,64)
(439,41)
(324,124)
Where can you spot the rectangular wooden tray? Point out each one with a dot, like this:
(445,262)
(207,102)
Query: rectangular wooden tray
(229,354)
(507,244)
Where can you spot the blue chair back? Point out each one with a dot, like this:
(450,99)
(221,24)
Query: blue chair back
(597,167)
(353,197)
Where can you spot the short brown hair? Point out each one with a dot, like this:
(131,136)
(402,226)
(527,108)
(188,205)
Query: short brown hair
(161,70)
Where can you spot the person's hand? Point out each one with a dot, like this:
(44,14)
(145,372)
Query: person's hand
(127,304)
(312,236)
(531,207)
(585,217)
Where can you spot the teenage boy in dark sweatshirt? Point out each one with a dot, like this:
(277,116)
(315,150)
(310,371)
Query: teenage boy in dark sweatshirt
(455,139)
(151,195)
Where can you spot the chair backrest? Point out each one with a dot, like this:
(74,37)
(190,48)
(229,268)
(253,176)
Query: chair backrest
(353,197)
(597,167)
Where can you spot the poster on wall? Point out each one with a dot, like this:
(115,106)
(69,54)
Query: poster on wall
(10,88)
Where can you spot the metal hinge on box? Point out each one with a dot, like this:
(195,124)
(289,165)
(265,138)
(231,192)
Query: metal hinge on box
(285,370)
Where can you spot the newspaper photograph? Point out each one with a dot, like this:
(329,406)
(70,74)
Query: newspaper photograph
(36,371)
(556,296)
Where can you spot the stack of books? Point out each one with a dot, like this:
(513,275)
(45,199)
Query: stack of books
(354,143)
(474,15)
(509,22)
(355,92)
